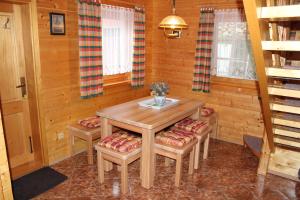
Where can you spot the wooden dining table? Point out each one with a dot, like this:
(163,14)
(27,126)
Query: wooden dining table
(146,121)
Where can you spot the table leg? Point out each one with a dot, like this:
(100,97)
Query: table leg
(148,168)
(196,115)
(106,129)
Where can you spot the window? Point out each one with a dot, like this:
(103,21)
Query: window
(117,42)
(232,55)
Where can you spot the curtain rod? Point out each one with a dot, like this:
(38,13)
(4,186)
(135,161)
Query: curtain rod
(118,2)
(210,9)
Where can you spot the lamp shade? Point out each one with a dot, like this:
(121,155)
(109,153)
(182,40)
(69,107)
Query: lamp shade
(173,22)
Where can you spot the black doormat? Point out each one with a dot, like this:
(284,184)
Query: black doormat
(36,183)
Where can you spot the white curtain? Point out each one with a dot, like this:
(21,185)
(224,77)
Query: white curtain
(232,54)
(117,39)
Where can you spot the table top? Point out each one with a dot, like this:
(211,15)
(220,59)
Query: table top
(133,114)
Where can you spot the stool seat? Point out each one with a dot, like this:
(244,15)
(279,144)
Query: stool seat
(176,152)
(112,148)
(117,154)
(202,130)
(84,130)
(85,133)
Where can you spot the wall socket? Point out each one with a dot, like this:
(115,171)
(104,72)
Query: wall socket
(60,135)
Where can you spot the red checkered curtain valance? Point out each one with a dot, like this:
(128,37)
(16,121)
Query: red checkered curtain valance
(138,67)
(90,48)
(204,51)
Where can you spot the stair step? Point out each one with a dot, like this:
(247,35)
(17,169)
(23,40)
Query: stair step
(286,120)
(285,108)
(283,72)
(273,90)
(279,12)
(284,141)
(287,132)
(281,45)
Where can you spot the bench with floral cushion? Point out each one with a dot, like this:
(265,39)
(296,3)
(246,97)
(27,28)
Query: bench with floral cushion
(175,144)
(88,129)
(121,148)
(202,130)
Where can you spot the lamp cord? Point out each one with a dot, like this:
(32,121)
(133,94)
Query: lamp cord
(174,10)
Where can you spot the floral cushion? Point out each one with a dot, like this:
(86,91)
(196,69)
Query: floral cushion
(121,141)
(175,137)
(205,111)
(195,126)
(90,122)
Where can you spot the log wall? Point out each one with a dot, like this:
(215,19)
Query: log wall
(59,96)
(235,100)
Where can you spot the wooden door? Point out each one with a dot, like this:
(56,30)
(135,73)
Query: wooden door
(14,104)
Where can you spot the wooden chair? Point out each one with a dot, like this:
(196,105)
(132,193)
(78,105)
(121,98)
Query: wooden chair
(87,134)
(120,158)
(177,153)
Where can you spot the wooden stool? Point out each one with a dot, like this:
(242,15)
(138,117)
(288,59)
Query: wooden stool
(87,134)
(212,118)
(121,158)
(177,153)
(202,137)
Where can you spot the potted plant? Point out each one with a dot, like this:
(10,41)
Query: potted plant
(159,90)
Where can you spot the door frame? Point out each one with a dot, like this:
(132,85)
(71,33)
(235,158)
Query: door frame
(33,74)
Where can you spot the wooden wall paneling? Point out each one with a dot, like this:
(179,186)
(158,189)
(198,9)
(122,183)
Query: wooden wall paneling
(60,102)
(173,62)
(5,182)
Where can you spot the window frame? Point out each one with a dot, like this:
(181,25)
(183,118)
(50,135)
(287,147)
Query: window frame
(122,78)
(216,57)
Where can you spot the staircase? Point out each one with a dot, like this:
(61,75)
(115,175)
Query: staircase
(275,38)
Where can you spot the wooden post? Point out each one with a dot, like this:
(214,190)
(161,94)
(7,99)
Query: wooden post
(265,157)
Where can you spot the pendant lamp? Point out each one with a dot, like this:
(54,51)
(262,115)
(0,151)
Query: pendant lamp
(173,24)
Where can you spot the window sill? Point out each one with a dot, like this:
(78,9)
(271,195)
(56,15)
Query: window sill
(235,85)
(117,84)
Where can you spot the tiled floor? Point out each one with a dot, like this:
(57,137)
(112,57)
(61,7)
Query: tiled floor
(229,173)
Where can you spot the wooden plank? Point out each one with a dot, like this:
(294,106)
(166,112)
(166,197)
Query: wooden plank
(286,122)
(285,163)
(5,182)
(285,73)
(281,45)
(265,157)
(279,12)
(284,92)
(287,133)
(285,108)
(256,38)
(287,142)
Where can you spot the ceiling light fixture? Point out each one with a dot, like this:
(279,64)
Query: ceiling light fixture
(173,24)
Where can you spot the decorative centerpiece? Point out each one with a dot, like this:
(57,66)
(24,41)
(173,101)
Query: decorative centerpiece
(159,90)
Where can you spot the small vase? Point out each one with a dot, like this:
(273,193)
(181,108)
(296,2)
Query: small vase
(160,100)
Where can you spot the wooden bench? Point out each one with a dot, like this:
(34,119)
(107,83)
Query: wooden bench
(120,158)
(87,134)
(177,153)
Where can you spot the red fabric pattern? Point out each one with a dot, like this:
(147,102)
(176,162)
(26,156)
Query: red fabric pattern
(121,141)
(195,126)
(90,122)
(205,111)
(175,137)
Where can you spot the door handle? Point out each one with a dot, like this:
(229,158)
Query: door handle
(22,86)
